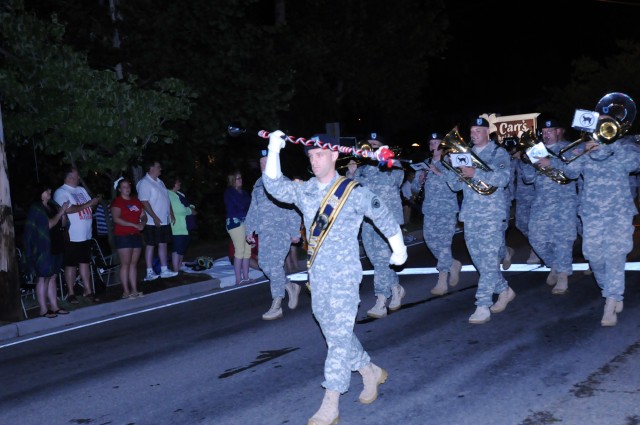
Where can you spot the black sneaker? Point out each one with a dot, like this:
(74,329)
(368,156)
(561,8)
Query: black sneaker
(73,299)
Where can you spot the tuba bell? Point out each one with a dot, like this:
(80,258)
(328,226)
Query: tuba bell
(454,143)
(528,140)
(617,112)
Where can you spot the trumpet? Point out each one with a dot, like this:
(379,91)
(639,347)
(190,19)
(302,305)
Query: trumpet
(617,114)
(528,140)
(454,143)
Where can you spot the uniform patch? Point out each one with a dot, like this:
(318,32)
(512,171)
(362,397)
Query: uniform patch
(375,202)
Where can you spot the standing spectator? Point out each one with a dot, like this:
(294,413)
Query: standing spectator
(182,209)
(236,202)
(101,215)
(278,226)
(155,198)
(385,183)
(440,212)
(335,270)
(129,219)
(77,250)
(606,206)
(553,220)
(483,216)
(43,240)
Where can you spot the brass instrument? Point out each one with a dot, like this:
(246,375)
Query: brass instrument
(454,143)
(528,140)
(617,112)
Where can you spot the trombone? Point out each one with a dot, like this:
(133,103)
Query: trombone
(617,112)
(454,143)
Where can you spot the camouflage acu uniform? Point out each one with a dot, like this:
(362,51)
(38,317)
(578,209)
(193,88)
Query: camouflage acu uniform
(553,222)
(525,192)
(336,273)
(483,217)
(607,210)
(276,224)
(386,184)
(440,209)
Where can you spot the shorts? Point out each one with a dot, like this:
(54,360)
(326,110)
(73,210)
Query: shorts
(154,235)
(77,253)
(128,241)
(180,244)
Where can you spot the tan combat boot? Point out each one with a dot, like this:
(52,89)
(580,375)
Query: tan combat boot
(379,310)
(552,278)
(454,273)
(397,294)
(293,291)
(372,376)
(562,285)
(619,306)
(480,316)
(441,286)
(609,317)
(533,258)
(504,298)
(506,261)
(275,312)
(328,413)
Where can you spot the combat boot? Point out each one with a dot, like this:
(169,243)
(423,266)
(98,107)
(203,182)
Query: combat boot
(506,261)
(609,317)
(480,316)
(454,273)
(562,285)
(441,287)
(504,298)
(293,291)
(533,258)
(397,294)
(619,307)
(328,414)
(275,312)
(379,310)
(552,278)
(372,376)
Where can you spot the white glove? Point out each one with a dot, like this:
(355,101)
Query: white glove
(276,141)
(399,250)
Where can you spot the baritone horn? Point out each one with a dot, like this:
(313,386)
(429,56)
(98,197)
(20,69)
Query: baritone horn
(454,143)
(617,112)
(528,140)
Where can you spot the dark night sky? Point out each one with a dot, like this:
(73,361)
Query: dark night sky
(505,52)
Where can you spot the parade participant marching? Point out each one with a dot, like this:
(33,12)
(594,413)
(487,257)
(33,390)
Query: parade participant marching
(385,183)
(440,209)
(483,216)
(333,208)
(278,226)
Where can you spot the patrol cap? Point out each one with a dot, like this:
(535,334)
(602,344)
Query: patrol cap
(479,122)
(436,136)
(325,138)
(374,135)
(549,122)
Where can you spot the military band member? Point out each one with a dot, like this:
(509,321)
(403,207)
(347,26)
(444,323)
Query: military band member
(333,208)
(277,225)
(524,194)
(552,224)
(385,183)
(483,216)
(440,208)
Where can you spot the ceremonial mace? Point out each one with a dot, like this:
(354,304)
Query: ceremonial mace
(383,155)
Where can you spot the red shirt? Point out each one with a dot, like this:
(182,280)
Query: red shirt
(130,210)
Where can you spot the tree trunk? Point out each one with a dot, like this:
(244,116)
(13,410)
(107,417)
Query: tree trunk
(10,309)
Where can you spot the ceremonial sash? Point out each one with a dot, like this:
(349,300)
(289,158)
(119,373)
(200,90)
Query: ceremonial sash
(329,210)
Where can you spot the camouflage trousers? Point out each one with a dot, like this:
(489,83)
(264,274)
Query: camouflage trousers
(606,243)
(335,306)
(438,231)
(484,240)
(552,239)
(523,212)
(505,226)
(377,249)
(274,248)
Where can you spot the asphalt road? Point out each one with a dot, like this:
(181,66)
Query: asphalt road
(544,360)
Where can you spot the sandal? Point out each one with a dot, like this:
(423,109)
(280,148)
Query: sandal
(125,296)
(61,311)
(92,297)
(49,314)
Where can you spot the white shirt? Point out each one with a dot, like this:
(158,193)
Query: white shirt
(156,193)
(80,222)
